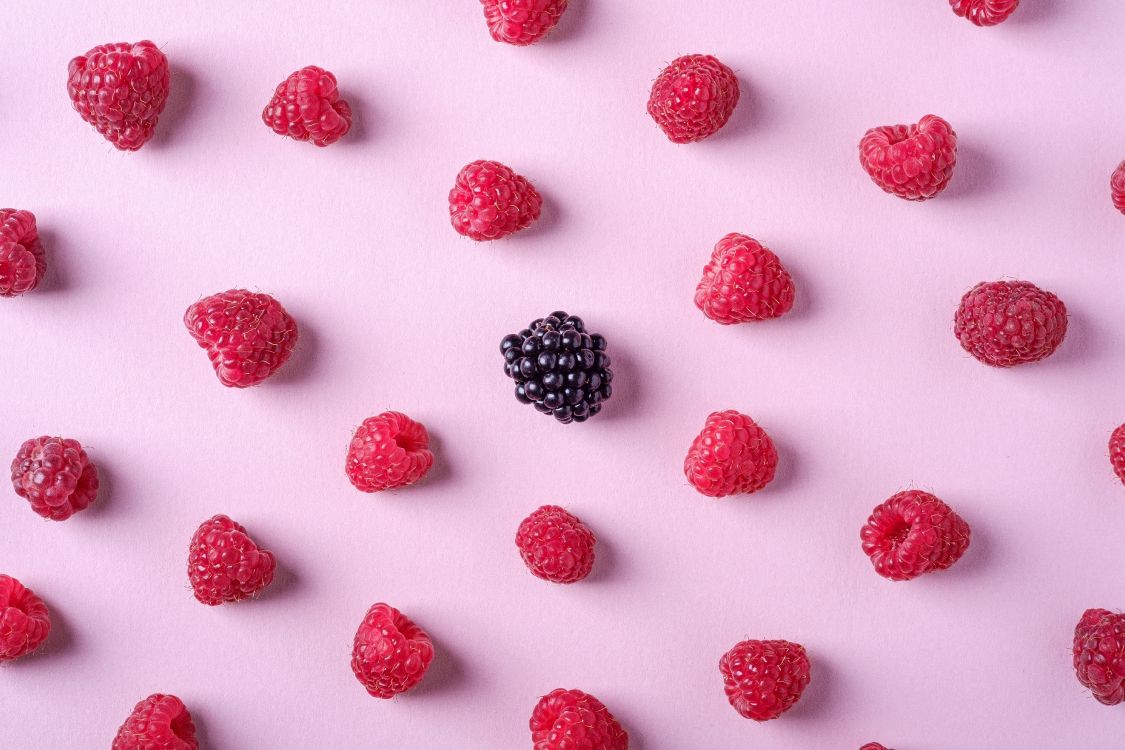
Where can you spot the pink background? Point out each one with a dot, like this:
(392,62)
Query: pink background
(863,386)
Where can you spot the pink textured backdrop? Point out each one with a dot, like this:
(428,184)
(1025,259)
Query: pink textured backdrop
(863,387)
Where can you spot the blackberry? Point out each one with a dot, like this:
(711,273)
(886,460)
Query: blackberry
(559,368)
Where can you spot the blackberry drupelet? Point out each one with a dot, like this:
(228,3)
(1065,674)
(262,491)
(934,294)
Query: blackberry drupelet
(559,368)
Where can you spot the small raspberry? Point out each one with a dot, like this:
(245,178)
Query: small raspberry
(913,533)
(55,475)
(693,98)
(224,563)
(391,654)
(24,620)
(743,281)
(556,545)
(307,106)
(1117,187)
(985,12)
(1099,654)
(763,679)
(489,201)
(1008,323)
(120,89)
(573,720)
(247,335)
(1117,452)
(914,162)
(732,455)
(22,261)
(874,746)
(522,22)
(389,450)
(159,722)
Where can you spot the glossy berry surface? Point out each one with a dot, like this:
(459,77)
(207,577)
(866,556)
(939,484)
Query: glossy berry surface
(913,533)
(489,201)
(731,455)
(764,679)
(522,22)
(574,720)
(1099,654)
(1117,187)
(159,722)
(559,368)
(556,545)
(985,12)
(121,90)
(307,106)
(248,336)
(1008,323)
(1117,452)
(22,260)
(24,620)
(693,98)
(914,162)
(388,450)
(390,654)
(55,475)
(224,563)
(744,281)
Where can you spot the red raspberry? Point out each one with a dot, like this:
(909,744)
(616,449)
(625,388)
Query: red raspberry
(391,654)
(1008,323)
(556,545)
(22,261)
(1099,654)
(55,475)
(1117,452)
(763,679)
(985,12)
(24,620)
(693,98)
(913,533)
(732,455)
(120,89)
(489,201)
(307,106)
(874,746)
(224,563)
(573,720)
(1117,187)
(743,281)
(522,22)
(389,450)
(914,162)
(247,335)
(159,722)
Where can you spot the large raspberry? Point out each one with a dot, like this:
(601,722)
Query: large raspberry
(743,281)
(763,679)
(731,455)
(307,106)
(55,475)
(574,720)
(693,98)
(1008,323)
(22,260)
(1117,452)
(913,533)
(388,450)
(1117,187)
(159,722)
(556,545)
(914,162)
(24,620)
(224,563)
(390,654)
(490,201)
(248,336)
(120,89)
(522,22)
(1099,654)
(985,12)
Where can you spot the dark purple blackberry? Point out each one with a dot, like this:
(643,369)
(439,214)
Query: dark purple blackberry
(559,368)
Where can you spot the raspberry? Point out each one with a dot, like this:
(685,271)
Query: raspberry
(693,98)
(22,261)
(913,533)
(490,201)
(388,451)
(731,455)
(1099,654)
(1008,323)
(743,281)
(556,545)
(159,722)
(874,746)
(1117,187)
(763,679)
(224,563)
(1117,452)
(522,22)
(24,620)
(573,720)
(247,335)
(55,475)
(914,162)
(307,106)
(391,654)
(120,89)
(985,12)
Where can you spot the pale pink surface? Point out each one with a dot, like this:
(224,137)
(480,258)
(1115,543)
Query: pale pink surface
(863,386)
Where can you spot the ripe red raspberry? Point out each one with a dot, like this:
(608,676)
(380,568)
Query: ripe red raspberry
(763,679)
(391,654)
(159,722)
(55,475)
(522,22)
(913,533)
(24,620)
(1117,452)
(874,746)
(247,335)
(120,89)
(389,450)
(1008,323)
(556,545)
(985,12)
(573,720)
(489,201)
(1099,654)
(914,162)
(224,563)
(22,261)
(1117,187)
(743,281)
(307,106)
(732,455)
(693,98)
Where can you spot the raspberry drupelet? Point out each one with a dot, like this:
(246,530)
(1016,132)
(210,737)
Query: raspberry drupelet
(55,475)
(693,98)
(25,622)
(914,162)
(744,281)
(1099,655)
(985,12)
(224,563)
(307,106)
(1009,323)
(764,679)
(22,260)
(390,654)
(121,90)
(522,22)
(574,720)
(248,336)
(555,545)
(159,722)
(732,455)
(388,450)
(489,201)
(913,533)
